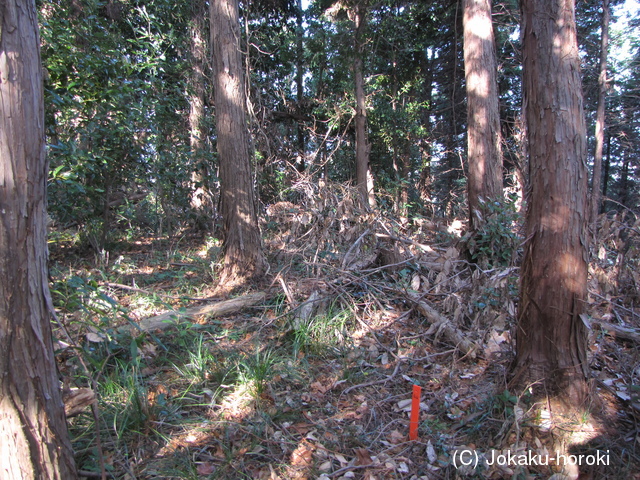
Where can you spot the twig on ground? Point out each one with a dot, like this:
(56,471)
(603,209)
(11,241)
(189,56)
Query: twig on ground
(375,382)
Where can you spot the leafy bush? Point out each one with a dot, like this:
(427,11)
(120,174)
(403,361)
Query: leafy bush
(496,241)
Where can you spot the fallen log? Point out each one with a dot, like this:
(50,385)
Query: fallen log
(218,309)
(442,325)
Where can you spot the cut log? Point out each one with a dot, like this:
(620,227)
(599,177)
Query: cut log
(218,309)
(443,326)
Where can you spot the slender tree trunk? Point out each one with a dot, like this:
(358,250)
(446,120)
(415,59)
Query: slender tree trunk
(403,198)
(600,114)
(364,178)
(400,154)
(449,63)
(551,337)
(607,167)
(484,148)
(34,442)
(425,182)
(201,200)
(453,171)
(300,161)
(242,248)
(624,180)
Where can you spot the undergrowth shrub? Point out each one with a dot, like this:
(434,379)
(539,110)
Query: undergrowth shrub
(496,242)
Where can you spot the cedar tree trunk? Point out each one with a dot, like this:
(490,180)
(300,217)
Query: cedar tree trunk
(551,337)
(596,186)
(242,248)
(364,179)
(200,196)
(484,148)
(34,442)
(300,67)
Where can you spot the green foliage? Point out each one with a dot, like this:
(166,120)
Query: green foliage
(200,361)
(118,87)
(256,370)
(493,297)
(505,403)
(124,400)
(114,93)
(323,332)
(496,241)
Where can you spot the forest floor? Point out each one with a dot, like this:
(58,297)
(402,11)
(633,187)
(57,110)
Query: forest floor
(315,381)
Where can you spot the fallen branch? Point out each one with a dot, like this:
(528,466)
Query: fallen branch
(218,309)
(150,292)
(616,331)
(347,259)
(408,241)
(375,382)
(440,323)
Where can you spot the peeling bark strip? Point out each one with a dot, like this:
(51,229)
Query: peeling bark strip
(34,443)
(551,337)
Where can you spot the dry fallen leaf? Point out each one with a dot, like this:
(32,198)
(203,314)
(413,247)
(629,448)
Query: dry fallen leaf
(206,468)
(303,455)
(363,457)
(343,461)
(431,453)
(396,437)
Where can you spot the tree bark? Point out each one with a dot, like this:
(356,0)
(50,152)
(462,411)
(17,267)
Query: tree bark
(607,168)
(484,148)
(551,337)
(364,178)
(242,248)
(425,182)
(34,442)
(596,184)
(300,67)
(201,200)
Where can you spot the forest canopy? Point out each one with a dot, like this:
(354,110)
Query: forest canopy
(123,78)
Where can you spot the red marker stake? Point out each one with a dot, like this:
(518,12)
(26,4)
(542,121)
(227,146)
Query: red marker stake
(415,413)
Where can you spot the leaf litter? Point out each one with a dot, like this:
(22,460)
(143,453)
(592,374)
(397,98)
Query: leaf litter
(315,383)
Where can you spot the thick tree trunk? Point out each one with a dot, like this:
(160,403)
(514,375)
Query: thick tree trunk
(484,148)
(364,178)
(243,258)
(34,442)
(551,337)
(596,184)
